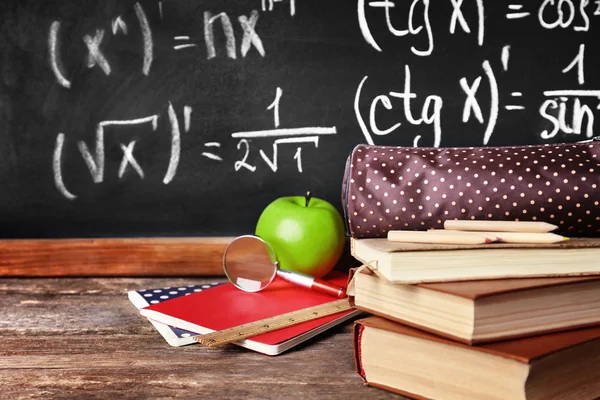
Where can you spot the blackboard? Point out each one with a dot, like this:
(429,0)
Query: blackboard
(187,117)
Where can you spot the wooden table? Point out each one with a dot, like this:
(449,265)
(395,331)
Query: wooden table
(82,338)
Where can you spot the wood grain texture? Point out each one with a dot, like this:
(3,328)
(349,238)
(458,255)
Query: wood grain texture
(112,257)
(81,338)
(121,257)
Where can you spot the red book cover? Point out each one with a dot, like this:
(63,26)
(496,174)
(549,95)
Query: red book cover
(226,306)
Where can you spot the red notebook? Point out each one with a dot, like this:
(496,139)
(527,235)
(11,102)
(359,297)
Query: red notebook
(226,306)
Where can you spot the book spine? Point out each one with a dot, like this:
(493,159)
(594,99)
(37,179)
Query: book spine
(360,369)
(356,342)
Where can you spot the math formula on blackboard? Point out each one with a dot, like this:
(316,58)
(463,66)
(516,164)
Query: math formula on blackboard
(139,110)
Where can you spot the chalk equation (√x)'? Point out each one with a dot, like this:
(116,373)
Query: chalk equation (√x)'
(94,158)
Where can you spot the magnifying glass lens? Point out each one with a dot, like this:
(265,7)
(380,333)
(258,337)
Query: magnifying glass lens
(250,263)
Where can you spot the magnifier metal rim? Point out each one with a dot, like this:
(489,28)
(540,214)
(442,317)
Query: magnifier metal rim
(269,249)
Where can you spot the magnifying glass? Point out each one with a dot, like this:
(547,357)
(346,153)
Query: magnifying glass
(250,264)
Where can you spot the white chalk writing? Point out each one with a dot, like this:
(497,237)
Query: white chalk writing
(147,35)
(95,56)
(53,47)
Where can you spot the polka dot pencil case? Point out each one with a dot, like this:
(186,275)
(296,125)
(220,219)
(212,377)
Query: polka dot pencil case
(389,187)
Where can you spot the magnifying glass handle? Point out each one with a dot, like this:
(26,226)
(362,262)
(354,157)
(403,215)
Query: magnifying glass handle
(310,282)
(326,287)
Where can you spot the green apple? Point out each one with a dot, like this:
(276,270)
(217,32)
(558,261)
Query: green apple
(307,234)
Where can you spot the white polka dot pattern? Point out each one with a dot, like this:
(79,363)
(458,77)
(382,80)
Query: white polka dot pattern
(388,187)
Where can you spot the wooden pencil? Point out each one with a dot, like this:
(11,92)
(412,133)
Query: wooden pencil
(499,226)
(492,237)
(527,237)
(434,237)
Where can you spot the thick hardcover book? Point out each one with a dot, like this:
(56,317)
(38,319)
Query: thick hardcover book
(226,306)
(414,363)
(483,311)
(416,263)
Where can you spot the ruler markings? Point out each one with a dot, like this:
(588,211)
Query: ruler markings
(259,327)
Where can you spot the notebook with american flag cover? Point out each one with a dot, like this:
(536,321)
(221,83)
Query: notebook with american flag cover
(173,336)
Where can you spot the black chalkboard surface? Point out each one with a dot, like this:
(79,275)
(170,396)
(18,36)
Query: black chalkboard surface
(187,117)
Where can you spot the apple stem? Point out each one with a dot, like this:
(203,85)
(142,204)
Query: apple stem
(307,197)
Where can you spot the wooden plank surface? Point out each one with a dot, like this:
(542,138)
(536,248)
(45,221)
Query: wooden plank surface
(121,257)
(112,257)
(65,338)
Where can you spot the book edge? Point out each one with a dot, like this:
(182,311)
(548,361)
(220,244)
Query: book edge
(560,281)
(318,330)
(268,349)
(467,278)
(471,340)
(385,246)
(358,369)
(384,267)
(494,349)
(467,341)
(165,331)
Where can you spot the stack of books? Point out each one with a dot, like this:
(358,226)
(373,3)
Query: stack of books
(485,321)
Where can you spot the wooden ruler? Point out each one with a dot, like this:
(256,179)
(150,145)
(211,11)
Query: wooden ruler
(250,329)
